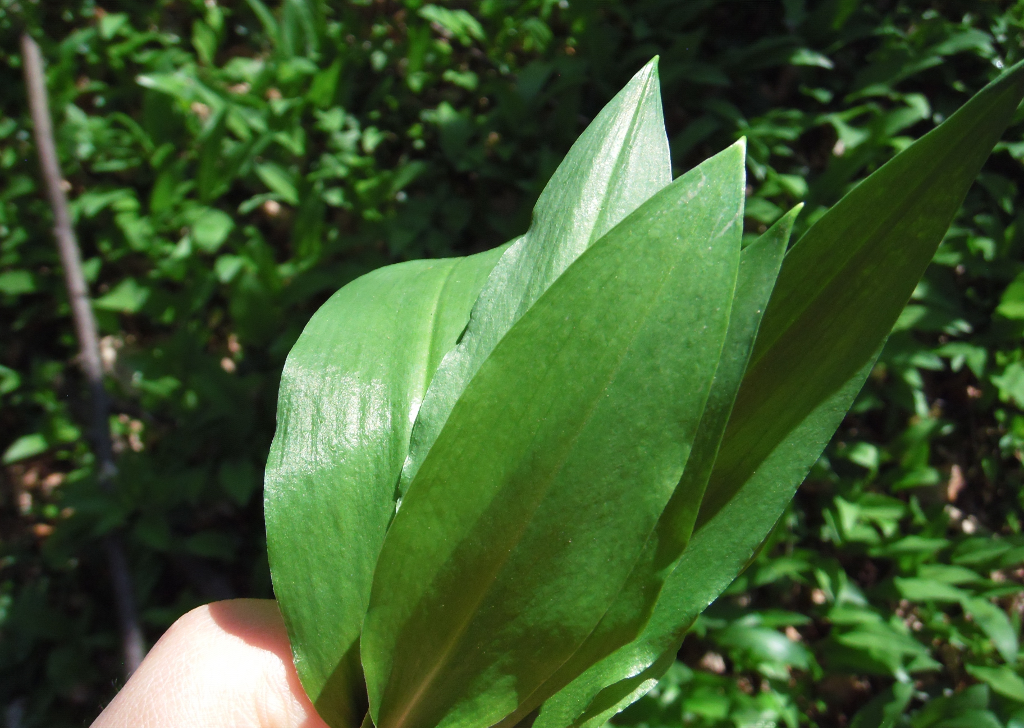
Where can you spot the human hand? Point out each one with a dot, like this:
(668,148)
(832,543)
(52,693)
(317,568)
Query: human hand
(224,665)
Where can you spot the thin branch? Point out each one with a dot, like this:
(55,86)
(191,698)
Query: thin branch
(88,340)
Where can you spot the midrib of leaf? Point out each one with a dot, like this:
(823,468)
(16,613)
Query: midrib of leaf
(598,230)
(427,370)
(445,655)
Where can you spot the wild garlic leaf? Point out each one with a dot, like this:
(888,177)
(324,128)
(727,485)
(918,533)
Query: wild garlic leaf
(551,472)
(631,610)
(845,282)
(628,614)
(719,550)
(840,290)
(619,162)
(349,393)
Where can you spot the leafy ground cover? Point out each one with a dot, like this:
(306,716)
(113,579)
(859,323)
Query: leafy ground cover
(232,164)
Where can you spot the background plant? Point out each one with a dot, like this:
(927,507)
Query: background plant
(230,172)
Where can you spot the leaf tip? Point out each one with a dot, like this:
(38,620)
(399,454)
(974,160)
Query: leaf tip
(649,71)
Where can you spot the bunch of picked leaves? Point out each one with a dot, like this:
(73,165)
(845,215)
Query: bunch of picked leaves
(504,486)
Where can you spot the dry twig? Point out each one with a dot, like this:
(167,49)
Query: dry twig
(88,339)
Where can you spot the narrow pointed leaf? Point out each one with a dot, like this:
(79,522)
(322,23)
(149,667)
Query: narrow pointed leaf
(844,284)
(616,164)
(627,615)
(840,290)
(525,518)
(348,396)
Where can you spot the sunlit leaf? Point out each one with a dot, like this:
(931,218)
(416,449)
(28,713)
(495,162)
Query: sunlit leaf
(588,406)
(615,165)
(348,397)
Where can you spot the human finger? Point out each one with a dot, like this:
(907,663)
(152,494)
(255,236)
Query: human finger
(223,665)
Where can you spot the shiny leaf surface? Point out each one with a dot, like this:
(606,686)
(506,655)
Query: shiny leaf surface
(628,614)
(543,487)
(840,290)
(348,396)
(616,164)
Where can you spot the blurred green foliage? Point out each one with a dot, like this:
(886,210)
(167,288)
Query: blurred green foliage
(231,164)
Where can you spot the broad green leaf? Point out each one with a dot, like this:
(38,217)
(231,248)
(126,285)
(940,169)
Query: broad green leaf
(617,163)
(211,228)
(1001,679)
(17,282)
(841,289)
(127,297)
(24,447)
(349,393)
(720,548)
(626,617)
(205,41)
(922,590)
(540,492)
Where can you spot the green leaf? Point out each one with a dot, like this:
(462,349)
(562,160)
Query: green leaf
(10,380)
(297,19)
(348,397)
(267,19)
(178,84)
(884,711)
(626,617)
(719,549)
(210,228)
(764,644)
(278,180)
(588,406)
(17,282)
(205,41)
(813,352)
(996,625)
(980,551)
(844,284)
(456,23)
(964,709)
(111,23)
(127,297)
(26,446)
(924,590)
(1011,305)
(1001,679)
(617,163)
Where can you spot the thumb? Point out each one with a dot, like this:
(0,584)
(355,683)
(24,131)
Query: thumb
(224,665)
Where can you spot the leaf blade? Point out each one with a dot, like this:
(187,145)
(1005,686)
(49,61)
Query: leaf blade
(777,374)
(627,615)
(617,163)
(459,580)
(873,247)
(349,393)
